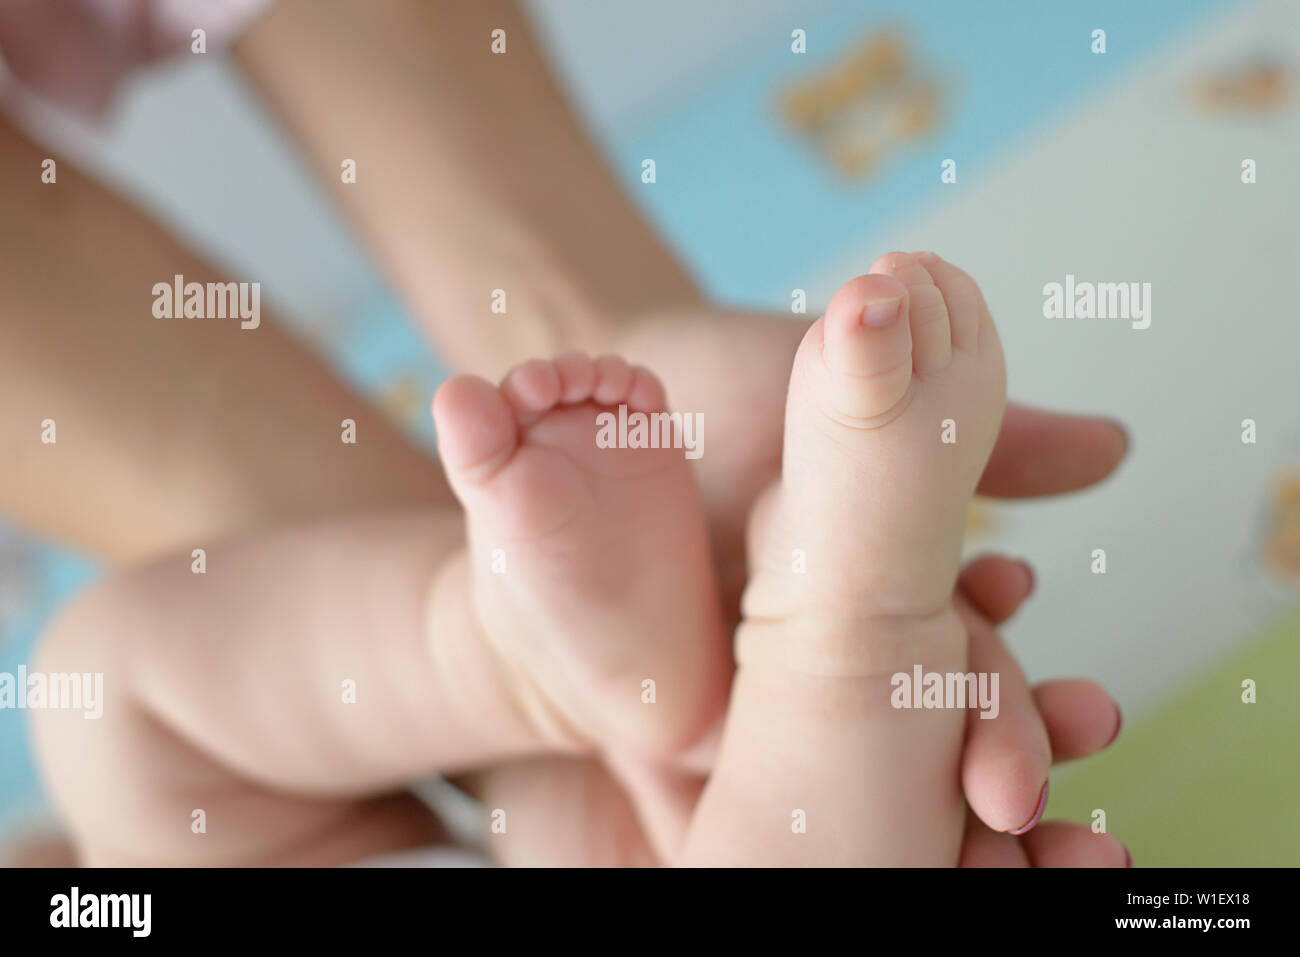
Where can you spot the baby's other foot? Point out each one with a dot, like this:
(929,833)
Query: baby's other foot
(590,564)
(895,400)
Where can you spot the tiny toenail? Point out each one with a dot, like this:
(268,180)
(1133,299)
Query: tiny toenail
(927,256)
(1038,811)
(881,312)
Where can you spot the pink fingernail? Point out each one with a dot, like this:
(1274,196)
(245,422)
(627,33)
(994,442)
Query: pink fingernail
(1125,439)
(1029,578)
(881,312)
(1038,811)
(1119,723)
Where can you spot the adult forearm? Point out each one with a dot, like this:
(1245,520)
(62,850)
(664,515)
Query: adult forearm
(162,433)
(472,172)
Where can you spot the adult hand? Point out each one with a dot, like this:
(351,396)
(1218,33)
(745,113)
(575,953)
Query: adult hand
(573,812)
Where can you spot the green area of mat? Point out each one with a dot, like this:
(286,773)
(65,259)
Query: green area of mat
(1205,780)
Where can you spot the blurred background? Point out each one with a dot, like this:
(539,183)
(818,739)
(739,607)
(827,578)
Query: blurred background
(779,172)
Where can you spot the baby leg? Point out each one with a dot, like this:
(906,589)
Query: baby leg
(895,400)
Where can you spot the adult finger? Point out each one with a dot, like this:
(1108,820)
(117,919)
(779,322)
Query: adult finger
(1045,453)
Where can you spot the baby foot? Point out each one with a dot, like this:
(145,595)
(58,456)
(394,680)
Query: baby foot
(590,566)
(895,400)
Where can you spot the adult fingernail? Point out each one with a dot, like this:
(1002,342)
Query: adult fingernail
(881,312)
(1038,811)
(1123,435)
(1119,723)
(1029,577)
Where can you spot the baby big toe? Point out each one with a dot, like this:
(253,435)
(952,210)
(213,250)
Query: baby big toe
(477,430)
(863,368)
